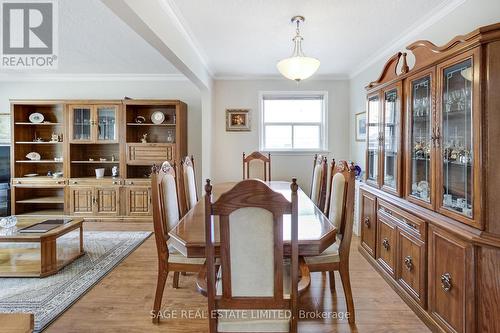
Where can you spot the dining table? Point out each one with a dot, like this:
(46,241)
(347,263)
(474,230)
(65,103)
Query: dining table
(315,231)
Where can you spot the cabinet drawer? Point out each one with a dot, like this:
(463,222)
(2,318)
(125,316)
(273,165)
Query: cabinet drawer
(451,287)
(138,182)
(411,266)
(405,220)
(149,153)
(386,244)
(38,181)
(95,181)
(368,223)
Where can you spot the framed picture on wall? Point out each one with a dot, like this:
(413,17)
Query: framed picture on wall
(237,120)
(4,128)
(361,126)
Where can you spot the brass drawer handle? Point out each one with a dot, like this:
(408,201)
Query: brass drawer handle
(446,282)
(385,244)
(367,222)
(60,182)
(409,263)
(131,183)
(74,182)
(388,212)
(115,182)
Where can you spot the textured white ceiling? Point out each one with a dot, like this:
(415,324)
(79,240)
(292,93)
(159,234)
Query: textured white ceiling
(248,37)
(92,39)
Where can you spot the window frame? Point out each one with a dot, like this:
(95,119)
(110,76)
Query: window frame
(323,125)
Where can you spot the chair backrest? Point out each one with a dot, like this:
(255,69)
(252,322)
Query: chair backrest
(331,171)
(165,204)
(251,248)
(189,181)
(257,156)
(319,181)
(342,203)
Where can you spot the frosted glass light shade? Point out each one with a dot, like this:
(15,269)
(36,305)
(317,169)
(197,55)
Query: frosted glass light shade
(298,68)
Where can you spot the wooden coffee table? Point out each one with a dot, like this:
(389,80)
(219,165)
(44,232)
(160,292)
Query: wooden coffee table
(40,254)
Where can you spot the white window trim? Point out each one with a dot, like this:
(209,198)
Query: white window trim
(324,128)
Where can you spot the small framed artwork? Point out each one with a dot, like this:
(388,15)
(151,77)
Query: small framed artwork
(237,120)
(4,128)
(361,126)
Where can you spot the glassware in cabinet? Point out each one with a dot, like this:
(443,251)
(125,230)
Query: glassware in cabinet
(373,140)
(456,138)
(421,138)
(106,123)
(391,139)
(81,123)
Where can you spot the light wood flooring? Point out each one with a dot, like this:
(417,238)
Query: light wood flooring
(122,301)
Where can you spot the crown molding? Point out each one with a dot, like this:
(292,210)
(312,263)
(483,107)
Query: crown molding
(412,32)
(271,77)
(175,14)
(80,77)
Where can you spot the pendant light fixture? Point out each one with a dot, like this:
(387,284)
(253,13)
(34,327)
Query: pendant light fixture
(298,67)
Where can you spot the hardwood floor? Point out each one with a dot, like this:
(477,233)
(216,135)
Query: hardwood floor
(122,301)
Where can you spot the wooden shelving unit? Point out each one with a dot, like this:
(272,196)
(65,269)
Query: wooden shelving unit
(92,129)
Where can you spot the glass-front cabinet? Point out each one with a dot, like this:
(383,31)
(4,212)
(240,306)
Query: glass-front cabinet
(383,157)
(106,123)
(457,137)
(373,139)
(391,139)
(93,123)
(420,130)
(81,123)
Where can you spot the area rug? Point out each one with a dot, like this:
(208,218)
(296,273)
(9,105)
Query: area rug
(49,297)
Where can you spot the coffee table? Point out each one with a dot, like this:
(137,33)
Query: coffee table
(40,254)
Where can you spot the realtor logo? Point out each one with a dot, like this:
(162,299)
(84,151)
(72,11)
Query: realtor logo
(29,34)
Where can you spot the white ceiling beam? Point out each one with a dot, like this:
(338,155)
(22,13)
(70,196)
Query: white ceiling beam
(156,21)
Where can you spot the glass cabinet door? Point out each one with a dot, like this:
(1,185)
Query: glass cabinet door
(420,136)
(391,129)
(106,123)
(81,128)
(455,139)
(373,137)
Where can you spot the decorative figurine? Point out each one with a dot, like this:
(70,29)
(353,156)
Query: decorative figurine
(49,174)
(114,171)
(54,137)
(113,157)
(103,159)
(140,120)
(144,138)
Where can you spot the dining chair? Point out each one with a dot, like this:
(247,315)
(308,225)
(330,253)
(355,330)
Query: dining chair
(336,257)
(319,181)
(331,171)
(165,217)
(253,273)
(257,156)
(189,181)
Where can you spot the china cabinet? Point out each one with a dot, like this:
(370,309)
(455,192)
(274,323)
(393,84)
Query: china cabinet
(429,204)
(77,137)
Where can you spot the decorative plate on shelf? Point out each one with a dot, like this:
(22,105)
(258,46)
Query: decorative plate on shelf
(34,156)
(157,117)
(36,118)
(31,175)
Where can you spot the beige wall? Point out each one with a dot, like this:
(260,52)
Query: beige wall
(465,18)
(104,89)
(245,94)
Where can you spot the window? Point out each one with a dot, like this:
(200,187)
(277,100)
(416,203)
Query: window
(293,122)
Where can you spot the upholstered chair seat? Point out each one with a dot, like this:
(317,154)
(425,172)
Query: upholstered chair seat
(330,255)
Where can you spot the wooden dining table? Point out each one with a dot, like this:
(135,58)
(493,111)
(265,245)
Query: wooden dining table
(316,233)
